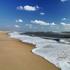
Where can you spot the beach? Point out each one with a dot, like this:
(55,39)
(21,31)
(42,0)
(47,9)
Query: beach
(15,55)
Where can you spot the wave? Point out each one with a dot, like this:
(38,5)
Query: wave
(51,50)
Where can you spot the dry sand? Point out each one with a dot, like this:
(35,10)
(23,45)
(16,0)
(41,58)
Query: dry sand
(15,55)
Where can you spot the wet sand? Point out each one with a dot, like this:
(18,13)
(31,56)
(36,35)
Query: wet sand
(15,55)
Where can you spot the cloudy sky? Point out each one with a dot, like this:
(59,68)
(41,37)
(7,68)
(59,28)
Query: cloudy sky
(37,15)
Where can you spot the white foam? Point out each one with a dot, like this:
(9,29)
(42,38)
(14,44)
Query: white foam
(67,41)
(39,42)
(65,65)
(54,53)
(48,49)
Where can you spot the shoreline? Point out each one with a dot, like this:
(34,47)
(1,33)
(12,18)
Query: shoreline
(15,55)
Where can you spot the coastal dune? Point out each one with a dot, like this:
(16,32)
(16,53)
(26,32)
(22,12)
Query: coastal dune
(15,55)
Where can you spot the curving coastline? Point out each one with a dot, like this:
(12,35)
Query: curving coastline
(15,55)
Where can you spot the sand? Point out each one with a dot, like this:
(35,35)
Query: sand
(15,55)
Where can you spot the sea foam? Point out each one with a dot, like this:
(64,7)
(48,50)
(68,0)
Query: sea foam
(51,50)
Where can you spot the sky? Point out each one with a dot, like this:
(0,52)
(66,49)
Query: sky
(35,15)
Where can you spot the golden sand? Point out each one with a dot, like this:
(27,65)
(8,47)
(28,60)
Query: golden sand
(15,55)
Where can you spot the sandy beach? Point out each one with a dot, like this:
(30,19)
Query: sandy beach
(15,55)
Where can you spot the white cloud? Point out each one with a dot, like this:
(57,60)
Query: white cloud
(65,24)
(17,26)
(63,0)
(62,23)
(20,8)
(37,6)
(28,8)
(63,19)
(42,13)
(67,27)
(52,23)
(29,26)
(40,22)
(19,20)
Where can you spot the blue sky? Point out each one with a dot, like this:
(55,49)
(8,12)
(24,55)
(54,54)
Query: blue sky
(37,15)
(7,11)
